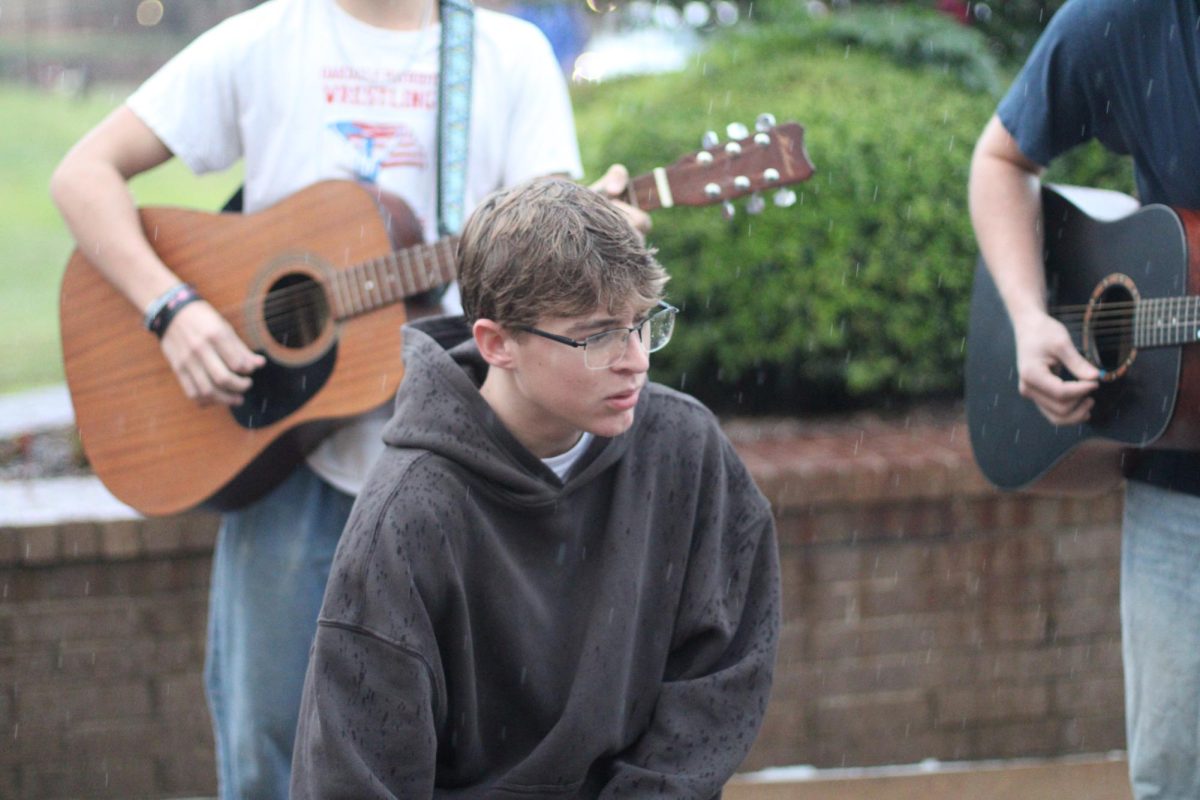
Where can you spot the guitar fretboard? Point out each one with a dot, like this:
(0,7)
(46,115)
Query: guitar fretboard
(1166,321)
(391,279)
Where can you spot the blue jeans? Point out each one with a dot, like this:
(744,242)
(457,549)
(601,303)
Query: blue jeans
(1160,624)
(270,567)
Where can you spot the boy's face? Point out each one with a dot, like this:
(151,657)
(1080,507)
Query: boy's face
(556,395)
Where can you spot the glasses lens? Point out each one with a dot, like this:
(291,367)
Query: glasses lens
(604,349)
(661,326)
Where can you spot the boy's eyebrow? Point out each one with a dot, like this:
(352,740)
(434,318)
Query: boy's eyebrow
(605,323)
(594,325)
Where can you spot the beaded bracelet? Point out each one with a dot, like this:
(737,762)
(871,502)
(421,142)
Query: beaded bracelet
(163,310)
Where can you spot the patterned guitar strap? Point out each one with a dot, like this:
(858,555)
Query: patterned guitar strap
(454,111)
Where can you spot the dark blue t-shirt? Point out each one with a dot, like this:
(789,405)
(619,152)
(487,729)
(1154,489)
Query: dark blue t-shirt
(1127,74)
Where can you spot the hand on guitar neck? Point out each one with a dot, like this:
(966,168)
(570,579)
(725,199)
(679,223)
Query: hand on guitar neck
(615,185)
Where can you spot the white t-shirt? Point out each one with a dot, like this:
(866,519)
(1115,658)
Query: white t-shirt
(301,92)
(561,464)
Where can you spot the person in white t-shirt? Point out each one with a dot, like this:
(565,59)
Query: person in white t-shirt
(300,91)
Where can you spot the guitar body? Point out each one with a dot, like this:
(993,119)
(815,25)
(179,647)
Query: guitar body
(1014,445)
(159,451)
(317,284)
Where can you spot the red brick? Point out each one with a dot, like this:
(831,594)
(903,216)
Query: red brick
(837,750)
(162,536)
(991,703)
(178,695)
(1085,619)
(1098,582)
(1061,659)
(1019,739)
(9,780)
(44,702)
(107,659)
(1080,545)
(10,546)
(187,612)
(199,529)
(120,539)
(79,540)
(1094,734)
(189,771)
(882,713)
(784,734)
(39,546)
(102,779)
(18,662)
(1087,694)
(55,621)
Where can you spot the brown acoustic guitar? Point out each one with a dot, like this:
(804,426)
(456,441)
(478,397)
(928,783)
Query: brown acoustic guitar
(316,285)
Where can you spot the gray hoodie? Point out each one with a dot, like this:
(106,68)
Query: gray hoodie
(491,631)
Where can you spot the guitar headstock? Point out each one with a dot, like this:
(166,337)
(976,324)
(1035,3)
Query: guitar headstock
(772,158)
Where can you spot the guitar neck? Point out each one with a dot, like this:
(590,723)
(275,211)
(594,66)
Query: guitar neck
(393,278)
(1166,322)
(718,174)
(644,192)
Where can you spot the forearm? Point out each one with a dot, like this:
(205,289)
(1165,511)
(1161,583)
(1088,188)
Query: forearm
(90,188)
(1005,203)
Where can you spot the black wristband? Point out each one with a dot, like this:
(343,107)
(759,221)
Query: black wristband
(168,306)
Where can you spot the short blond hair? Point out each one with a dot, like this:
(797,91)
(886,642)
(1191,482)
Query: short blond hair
(553,248)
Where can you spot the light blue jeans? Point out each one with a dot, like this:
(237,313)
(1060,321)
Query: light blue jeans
(270,567)
(1160,624)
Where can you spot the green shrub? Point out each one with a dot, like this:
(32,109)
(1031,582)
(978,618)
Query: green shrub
(1009,27)
(857,293)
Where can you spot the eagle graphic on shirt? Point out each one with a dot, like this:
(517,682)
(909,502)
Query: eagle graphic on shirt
(374,147)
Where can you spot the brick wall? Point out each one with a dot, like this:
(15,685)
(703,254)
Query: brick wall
(926,616)
(101,646)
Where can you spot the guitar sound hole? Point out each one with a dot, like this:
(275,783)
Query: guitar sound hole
(1112,327)
(296,310)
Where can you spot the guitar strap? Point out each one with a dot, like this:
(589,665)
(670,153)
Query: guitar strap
(454,111)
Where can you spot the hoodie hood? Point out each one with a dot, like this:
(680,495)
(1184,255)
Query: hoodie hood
(439,409)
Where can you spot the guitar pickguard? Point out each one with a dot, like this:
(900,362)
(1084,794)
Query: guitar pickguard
(279,390)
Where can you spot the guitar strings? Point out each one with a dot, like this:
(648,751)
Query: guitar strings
(313,295)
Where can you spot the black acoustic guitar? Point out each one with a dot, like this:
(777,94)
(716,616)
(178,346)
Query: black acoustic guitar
(1126,290)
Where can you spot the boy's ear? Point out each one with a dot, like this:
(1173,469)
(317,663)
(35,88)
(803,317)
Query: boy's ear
(494,342)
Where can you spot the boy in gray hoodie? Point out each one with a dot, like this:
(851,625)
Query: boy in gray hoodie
(560,580)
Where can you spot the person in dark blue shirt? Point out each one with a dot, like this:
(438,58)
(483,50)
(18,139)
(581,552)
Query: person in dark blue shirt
(1125,73)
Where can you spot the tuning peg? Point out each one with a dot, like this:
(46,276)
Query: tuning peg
(728,211)
(762,139)
(785,198)
(755,204)
(741,183)
(712,190)
(709,139)
(736,131)
(704,158)
(764,122)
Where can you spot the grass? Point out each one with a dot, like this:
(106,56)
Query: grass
(34,243)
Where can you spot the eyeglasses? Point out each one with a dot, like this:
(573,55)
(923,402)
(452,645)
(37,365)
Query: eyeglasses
(602,350)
